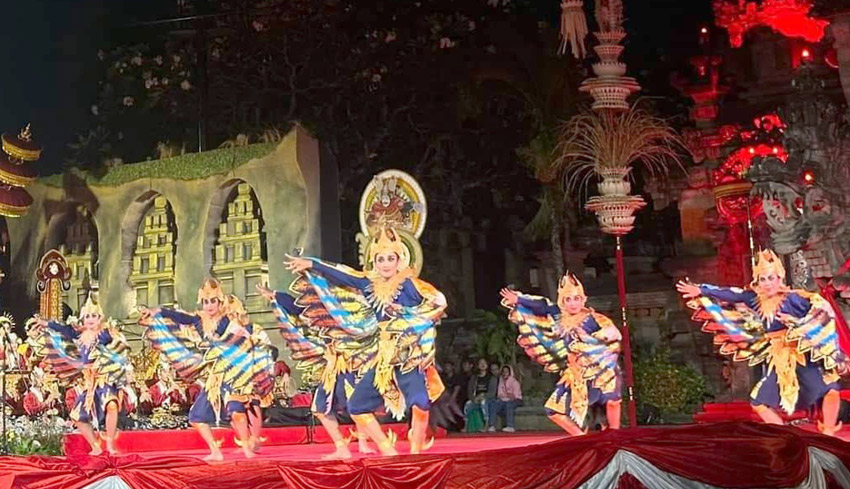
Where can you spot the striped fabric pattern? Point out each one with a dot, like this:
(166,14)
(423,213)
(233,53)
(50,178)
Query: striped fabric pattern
(182,354)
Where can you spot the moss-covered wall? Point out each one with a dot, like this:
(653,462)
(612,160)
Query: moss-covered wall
(286,178)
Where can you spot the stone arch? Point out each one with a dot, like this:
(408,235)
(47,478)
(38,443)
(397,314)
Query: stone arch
(148,249)
(234,240)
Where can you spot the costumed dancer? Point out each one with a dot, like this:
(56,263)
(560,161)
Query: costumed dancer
(575,341)
(791,331)
(307,328)
(204,346)
(385,301)
(94,353)
(244,399)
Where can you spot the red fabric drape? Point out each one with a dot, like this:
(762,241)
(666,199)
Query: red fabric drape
(733,455)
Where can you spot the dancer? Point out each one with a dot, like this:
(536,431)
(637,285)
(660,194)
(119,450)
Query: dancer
(333,361)
(243,344)
(792,331)
(576,341)
(388,303)
(90,351)
(209,349)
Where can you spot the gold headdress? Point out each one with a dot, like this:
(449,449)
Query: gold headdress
(766,263)
(211,289)
(570,286)
(235,306)
(91,307)
(387,240)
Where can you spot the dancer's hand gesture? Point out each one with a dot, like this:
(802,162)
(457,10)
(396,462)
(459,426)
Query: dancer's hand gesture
(265,291)
(509,297)
(297,265)
(688,290)
(37,323)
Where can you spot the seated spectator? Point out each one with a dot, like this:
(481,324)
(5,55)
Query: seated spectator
(508,398)
(480,391)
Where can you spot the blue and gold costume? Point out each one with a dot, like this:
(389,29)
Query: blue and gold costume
(401,315)
(579,347)
(219,350)
(304,326)
(95,359)
(792,332)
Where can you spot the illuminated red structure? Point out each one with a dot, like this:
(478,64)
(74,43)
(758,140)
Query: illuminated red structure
(732,195)
(788,17)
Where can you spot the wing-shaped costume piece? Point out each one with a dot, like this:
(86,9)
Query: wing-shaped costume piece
(111,360)
(352,315)
(62,355)
(597,357)
(307,348)
(178,348)
(815,334)
(418,327)
(241,365)
(737,330)
(539,336)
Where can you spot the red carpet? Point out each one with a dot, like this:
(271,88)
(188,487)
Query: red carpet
(734,455)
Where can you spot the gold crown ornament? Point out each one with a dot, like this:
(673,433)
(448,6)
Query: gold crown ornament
(236,309)
(570,286)
(91,308)
(388,240)
(766,263)
(211,289)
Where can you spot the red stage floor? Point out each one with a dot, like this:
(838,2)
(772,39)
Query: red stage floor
(315,451)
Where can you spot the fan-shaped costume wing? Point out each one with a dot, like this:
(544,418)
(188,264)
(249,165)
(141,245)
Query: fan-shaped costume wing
(816,335)
(352,315)
(180,351)
(597,356)
(539,334)
(418,326)
(62,355)
(307,348)
(111,359)
(737,330)
(235,357)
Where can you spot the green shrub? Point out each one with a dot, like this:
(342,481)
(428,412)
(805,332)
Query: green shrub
(665,389)
(40,436)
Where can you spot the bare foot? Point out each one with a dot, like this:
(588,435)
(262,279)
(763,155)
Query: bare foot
(389,451)
(248,452)
(341,453)
(95,451)
(365,449)
(829,431)
(215,456)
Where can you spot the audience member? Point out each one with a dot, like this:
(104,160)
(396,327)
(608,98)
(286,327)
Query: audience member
(508,398)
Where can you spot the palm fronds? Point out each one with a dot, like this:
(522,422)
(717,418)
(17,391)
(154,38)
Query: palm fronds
(592,142)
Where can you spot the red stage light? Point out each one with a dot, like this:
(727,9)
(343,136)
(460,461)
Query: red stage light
(809,177)
(704,30)
(806,54)
(788,17)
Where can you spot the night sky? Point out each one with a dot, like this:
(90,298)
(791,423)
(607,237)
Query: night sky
(49,55)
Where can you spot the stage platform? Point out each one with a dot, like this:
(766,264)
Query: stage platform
(181,441)
(734,455)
